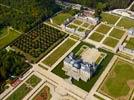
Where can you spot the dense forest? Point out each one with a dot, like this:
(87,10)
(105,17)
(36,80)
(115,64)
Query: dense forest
(11,64)
(110,4)
(24,14)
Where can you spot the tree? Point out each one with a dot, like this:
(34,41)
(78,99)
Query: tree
(99,8)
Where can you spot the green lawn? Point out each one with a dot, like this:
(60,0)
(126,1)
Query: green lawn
(33,80)
(91,26)
(116,82)
(7,37)
(3,32)
(78,22)
(109,18)
(75,37)
(96,37)
(85,85)
(60,51)
(130,44)
(117,33)
(20,93)
(85,25)
(126,23)
(109,41)
(81,29)
(60,18)
(103,29)
(72,26)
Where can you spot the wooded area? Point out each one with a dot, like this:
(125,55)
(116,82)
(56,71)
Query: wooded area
(11,65)
(24,14)
(111,4)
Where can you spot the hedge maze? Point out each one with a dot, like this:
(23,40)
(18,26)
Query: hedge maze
(38,42)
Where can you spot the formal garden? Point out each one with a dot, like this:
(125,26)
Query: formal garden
(38,42)
(120,78)
(59,52)
(25,88)
(44,94)
(89,84)
(112,37)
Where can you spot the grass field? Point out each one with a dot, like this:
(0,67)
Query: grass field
(20,93)
(103,29)
(78,22)
(130,44)
(126,23)
(33,80)
(85,85)
(60,18)
(85,25)
(7,36)
(60,51)
(117,33)
(81,29)
(72,26)
(75,37)
(109,41)
(96,37)
(116,84)
(109,18)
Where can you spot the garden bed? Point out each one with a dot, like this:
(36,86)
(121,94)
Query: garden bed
(103,29)
(117,33)
(111,42)
(109,18)
(96,37)
(127,23)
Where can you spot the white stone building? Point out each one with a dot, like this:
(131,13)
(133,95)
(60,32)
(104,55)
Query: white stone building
(82,68)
